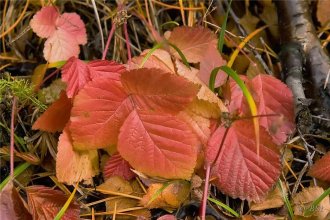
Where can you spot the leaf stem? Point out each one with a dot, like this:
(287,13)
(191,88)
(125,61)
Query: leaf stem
(206,191)
(112,31)
(127,42)
(12,140)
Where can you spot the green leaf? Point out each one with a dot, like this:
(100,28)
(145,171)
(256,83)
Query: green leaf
(221,39)
(230,210)
(285,198)
(17,171)
(66,205)
(182,56)
(317,201)
(151,51)
(159,191)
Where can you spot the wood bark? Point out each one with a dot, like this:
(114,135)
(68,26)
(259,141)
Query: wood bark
(306,65)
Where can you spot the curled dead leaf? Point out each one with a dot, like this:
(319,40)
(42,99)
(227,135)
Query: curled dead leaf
(171,196)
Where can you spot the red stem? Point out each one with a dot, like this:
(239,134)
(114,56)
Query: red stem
(207,175)
(206,191)
(112,31)
(154,33)
(128,46)
(12,141)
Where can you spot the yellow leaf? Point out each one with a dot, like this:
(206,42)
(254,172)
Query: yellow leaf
(170,197)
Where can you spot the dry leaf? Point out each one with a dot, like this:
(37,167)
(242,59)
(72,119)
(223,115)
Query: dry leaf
(273,200)
(170,197)
(120,203)
(46,202)
(322,11)
(73,166)
(303,200)
(192,42)
(160,59)
(116,184)
(204,92)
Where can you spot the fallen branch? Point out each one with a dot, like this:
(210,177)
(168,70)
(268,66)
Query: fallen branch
(296,28)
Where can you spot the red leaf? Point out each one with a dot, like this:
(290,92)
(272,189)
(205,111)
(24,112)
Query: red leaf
(155,89)
(77,73)
(105,68)
(64,32)
(158,144)
(239,172)
(209,61)
(102,107)
(233,93)
(272,98)
(11,204)
(98,112)
(192,41)
(321,169)
(74,166)
(56,116)
(46,202)
(117,166)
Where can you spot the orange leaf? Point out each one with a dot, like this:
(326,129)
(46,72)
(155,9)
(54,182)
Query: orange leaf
(321,168)
(158,145)
(192,41)
(74,166)
(171,196)
(199,124)
(116,184)
(56,116)
(98,112)
(204,94)
(154,89)
(140,109)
